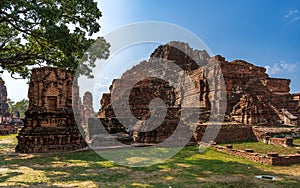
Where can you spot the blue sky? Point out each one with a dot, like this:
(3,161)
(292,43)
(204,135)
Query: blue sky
(265,33)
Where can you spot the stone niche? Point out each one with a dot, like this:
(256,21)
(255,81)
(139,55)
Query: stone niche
(50,124)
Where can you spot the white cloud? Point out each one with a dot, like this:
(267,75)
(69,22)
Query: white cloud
(295,19)
(293,15)
(279,68)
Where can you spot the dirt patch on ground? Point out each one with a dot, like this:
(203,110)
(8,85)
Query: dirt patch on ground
(236,179)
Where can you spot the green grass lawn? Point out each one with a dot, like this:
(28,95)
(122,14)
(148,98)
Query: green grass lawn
(7,143)
(263,148)
(188,168)
(296,142)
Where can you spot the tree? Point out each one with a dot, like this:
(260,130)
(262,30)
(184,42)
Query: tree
(49,33)
(20,106)
(11,105)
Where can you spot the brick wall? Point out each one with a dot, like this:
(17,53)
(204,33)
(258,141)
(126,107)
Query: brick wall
(228,133)
(278,85)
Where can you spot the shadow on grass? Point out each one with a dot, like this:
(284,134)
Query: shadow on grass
(4,177)
(187,169)
(6,145)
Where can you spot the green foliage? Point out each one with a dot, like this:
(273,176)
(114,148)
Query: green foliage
(20,106)
(296,142)
(49,33)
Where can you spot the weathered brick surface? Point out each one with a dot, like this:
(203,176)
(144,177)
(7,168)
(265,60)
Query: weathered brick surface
(286,142)
(50,123)
(277,85)
(296,97)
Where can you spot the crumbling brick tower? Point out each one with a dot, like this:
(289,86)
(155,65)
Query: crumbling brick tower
(50,123)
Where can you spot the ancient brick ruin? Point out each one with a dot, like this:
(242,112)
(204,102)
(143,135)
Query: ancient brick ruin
(270,158)
(144,91)
(3,102)
(50,123)
(88,111)
(252,97)
(5,128)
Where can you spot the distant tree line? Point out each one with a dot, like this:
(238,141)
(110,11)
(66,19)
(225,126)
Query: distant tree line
(18,107)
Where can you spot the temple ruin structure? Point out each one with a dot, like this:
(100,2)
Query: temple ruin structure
(50,120)
(249,97)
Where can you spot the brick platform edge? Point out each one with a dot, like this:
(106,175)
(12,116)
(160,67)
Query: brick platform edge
(271,159)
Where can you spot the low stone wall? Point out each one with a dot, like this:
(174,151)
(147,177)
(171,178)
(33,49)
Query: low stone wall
(275,135)
(271,159)
(228,133)
(286,160)
(8,129)
(286,142)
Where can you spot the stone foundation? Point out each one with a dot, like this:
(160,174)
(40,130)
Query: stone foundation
(49,139)
(276,135)
(271,159)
